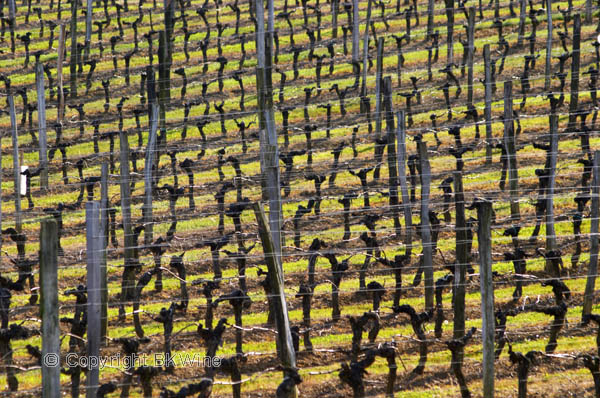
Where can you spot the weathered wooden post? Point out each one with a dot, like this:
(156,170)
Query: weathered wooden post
(406,205)
(94,250)
(450,31)
(487,111)
(484,216)
(391,156)
(522,16)
(425,226)
(575,62)
(462,258)
(430,14)
(74,52)
(128,282)
(588,11)
(334,18)
(149,162)
(59,75)
(588,297)
(548,69)
(49,308)
(355,31)
(88,28)
(509,142)
(550,231)
(16,166)
(363,89)
(104,203)
(470,54)
(41,107)
(286,352)
(269,151)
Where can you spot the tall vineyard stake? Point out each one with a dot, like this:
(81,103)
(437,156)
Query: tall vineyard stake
(430,14)
(104,229)
(286,352)
(588,11)
(550,231)
(334,18)
(548,69)
(59,75)
(484,215)
(49,308)
(425,227)
(471,51)
(462,258)
(509,142)
(41,106)
(16,166)
(575,61)
(355,30)
(93,252)
(74,52)
(269,152)
(450,31)
(401,137)
(378,76)
(487,111)
(128,282)
(88,29)
(522,15)
(590,285)
(392,159)
(163,77)
(363,89)
(150,154)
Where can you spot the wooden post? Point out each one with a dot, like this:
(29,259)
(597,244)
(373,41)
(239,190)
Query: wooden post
(355,30)
(378,76)
(450,31)
(269,151)
(575,61)
(522,15)
(391,157)
(163,77)
(334,18)
(88,28)
(128,283)
(548,69)
(103,271)
(509,142)
(462,258)
(286,352)
(484,216)
(150,153)
(588,11)
(363,89)
(430,14)
(470,53)
(406,205)
(425,227)
(94,250)
(41,107)
(588,297)
(16,166)
(550,231)
(59,75)
(74,52)
(487,112)
(49,308)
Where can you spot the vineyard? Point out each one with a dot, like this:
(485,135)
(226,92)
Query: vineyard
(299,199)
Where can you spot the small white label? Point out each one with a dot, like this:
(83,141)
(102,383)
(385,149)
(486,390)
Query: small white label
(23,181)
